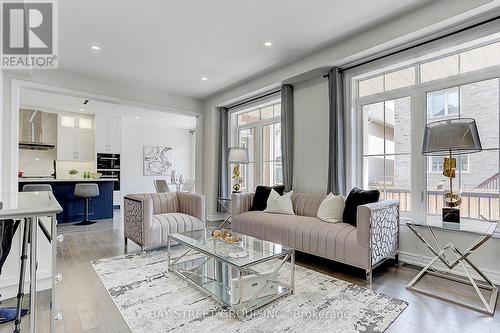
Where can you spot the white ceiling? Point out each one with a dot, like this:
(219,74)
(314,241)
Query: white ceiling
(171,44)
(46,101)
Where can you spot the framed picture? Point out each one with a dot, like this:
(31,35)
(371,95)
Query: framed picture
(157,160)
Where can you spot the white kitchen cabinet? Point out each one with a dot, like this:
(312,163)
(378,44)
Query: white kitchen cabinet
(85,146)
(108,134)
(75,138)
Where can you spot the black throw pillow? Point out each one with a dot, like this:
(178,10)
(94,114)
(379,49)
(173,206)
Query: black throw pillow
(262,194)
(356,198)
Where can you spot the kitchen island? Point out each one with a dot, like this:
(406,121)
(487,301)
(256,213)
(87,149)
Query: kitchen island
(100,207)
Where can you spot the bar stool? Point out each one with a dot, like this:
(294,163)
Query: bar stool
(40,188)
(37,188)
(86,191)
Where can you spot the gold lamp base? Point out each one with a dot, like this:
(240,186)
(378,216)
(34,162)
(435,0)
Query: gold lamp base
(237,179)
(451,200)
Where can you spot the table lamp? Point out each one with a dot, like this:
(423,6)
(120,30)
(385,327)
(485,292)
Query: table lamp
(447,137)
(237,156)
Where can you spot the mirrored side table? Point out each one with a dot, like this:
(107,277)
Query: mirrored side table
(226,204)
(452,257)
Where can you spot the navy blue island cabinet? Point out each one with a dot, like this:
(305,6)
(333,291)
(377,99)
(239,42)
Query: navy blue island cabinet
(100,207)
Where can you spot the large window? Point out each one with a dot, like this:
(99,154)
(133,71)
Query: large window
(258,128)
(386,148)
(393,105)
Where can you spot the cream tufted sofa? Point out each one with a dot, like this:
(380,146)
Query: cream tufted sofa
(374,239)
(150,217)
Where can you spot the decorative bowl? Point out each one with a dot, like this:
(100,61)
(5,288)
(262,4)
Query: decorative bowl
(95,175)
(226,236)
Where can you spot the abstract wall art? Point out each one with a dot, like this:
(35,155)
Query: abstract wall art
(157,160)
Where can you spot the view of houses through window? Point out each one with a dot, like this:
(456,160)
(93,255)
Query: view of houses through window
(393,105)
(258,128)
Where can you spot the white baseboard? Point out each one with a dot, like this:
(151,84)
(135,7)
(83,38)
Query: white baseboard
(8,288)
(415,259)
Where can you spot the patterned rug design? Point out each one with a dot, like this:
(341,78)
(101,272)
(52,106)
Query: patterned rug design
(152,300)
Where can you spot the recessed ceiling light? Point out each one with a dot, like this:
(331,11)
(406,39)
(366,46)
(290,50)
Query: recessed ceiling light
(137,118)
(268,44)
(95,47)
(204,78)
(82,109)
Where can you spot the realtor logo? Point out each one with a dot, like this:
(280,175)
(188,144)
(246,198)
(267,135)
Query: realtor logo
(29,34)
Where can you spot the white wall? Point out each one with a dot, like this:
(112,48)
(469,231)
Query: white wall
(311,146)
(132,178)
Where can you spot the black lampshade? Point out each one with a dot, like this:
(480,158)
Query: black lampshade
(458,135)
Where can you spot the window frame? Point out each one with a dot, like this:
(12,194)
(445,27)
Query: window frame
(446,110)
(430,159)
(418,95)
(234,128)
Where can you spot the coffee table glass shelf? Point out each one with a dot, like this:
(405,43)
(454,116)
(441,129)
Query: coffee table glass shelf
(243,276)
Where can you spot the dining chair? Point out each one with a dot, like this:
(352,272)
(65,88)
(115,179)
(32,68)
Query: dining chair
(187,187)
(161,186)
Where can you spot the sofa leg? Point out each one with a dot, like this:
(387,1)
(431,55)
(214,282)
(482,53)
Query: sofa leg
(125,244)
(396,260)
(369,277)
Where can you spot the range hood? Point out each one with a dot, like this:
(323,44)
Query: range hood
(28,145)
(37,130)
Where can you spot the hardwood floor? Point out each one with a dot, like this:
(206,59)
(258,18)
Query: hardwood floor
(87,307)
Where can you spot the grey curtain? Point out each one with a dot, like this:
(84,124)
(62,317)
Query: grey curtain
(287,135)
(223,186)
(336,149)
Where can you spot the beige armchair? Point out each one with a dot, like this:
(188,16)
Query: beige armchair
(150,217)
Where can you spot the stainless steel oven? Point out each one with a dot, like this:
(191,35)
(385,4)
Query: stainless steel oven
(112,174)
(109,166)
(108,162)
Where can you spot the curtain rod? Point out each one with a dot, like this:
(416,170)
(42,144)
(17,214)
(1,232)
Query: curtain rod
(254,99)
(419,44)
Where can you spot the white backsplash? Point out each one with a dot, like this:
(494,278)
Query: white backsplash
(63,168)
(37,162)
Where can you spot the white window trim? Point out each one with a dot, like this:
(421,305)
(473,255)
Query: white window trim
(417,93)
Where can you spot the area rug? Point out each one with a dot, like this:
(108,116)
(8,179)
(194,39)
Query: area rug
(151,300)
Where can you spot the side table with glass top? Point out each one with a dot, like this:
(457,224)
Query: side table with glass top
(226,204)
(482,230)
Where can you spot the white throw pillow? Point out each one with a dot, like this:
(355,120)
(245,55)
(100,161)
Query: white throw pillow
(280,204)
(332,208)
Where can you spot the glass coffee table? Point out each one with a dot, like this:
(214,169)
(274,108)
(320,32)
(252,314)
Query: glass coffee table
(242,276)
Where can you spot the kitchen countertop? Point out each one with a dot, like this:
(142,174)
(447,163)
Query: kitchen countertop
(76,180)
